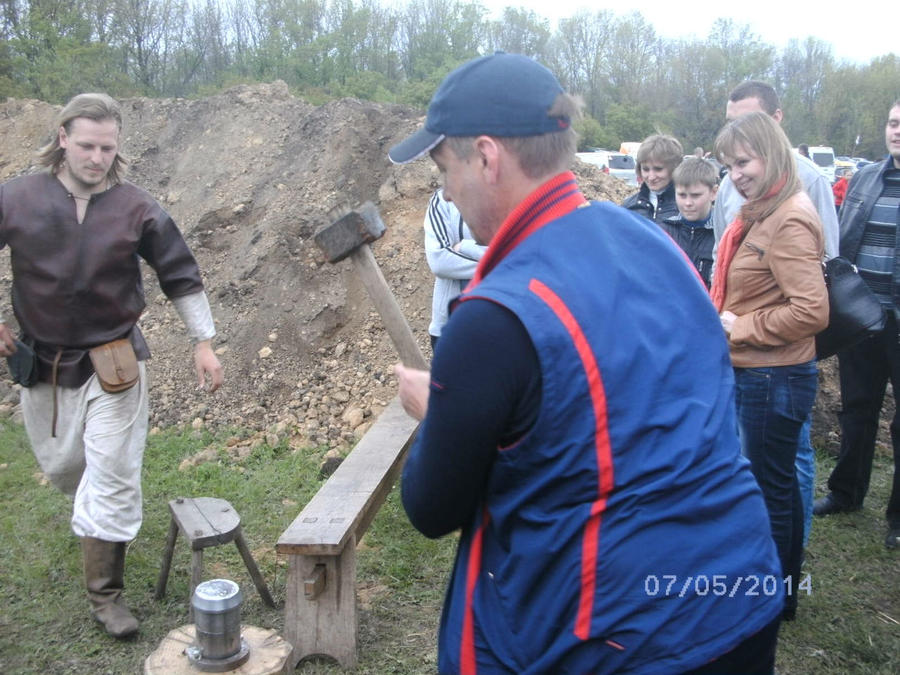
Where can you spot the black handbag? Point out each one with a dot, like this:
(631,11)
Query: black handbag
(855,312)
(22,365)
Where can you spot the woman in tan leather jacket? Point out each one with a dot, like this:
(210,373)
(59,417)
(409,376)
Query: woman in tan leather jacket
(771,297)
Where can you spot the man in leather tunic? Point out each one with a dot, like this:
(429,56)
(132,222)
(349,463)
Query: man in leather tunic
(76,232)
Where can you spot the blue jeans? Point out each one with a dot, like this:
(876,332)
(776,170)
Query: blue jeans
(806,476)
(772,405)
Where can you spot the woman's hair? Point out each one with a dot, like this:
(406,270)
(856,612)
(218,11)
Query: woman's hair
(661,148)
(758,134)
(96,107)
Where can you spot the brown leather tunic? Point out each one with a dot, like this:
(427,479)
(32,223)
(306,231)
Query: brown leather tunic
(77,285)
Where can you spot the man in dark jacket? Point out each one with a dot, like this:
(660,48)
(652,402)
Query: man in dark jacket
(870,238)
(76,233)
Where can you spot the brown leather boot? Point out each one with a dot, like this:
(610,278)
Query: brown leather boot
(104,573)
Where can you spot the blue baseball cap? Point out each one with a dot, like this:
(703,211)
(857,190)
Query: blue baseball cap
(504,95)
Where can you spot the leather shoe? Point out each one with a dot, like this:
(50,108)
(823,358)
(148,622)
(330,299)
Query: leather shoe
(893,538)
(829,504)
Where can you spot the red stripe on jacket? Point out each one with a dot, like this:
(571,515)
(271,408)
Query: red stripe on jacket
(468,664)
(603,455)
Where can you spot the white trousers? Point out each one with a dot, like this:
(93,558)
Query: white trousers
(97,454)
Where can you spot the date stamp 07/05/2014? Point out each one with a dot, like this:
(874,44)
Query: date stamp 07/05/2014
(723,585)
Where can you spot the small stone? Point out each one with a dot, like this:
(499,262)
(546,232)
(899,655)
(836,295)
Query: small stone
(353,417)
(265,352)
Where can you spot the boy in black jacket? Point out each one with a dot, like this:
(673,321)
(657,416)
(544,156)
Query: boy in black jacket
(695,182)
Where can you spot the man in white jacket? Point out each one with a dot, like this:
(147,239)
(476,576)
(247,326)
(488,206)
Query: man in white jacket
(452,255)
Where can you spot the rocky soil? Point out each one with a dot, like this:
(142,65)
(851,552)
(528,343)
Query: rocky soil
(250,175)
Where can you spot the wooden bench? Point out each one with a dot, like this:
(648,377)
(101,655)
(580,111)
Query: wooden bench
(320,594)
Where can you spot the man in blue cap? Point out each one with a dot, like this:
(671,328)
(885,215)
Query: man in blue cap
(608,521)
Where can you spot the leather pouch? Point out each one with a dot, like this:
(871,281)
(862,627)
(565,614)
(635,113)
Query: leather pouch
(116,365)
(23,365)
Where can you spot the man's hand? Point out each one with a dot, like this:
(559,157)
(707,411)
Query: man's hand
(7,341)
(206,363)
(413,390)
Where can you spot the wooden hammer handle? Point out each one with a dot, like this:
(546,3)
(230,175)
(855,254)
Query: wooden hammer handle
(388,308)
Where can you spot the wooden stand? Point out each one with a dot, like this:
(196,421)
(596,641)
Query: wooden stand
(205,522)
(269,653)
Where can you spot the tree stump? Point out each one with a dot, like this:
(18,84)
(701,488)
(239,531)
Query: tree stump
(269,653)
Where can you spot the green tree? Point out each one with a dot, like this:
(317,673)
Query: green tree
(578,54)
(629,123)
(436,35)
(520,31)
(742,54)
(802,71)
(632,61)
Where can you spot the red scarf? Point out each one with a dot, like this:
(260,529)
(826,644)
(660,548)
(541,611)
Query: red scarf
(728,246)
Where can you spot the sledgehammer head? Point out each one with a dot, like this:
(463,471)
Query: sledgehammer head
(349,232)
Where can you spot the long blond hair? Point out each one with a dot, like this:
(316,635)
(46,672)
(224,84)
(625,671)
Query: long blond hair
(762,136)
(96,107)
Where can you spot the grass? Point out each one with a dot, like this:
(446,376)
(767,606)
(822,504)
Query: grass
(844,626)
(849,621)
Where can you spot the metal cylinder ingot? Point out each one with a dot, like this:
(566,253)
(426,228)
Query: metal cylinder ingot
(217,621)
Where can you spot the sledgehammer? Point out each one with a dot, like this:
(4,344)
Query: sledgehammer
(350,235)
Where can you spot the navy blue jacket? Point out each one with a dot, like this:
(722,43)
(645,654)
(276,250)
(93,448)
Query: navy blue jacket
(697,241)
(640,203)
(600,532)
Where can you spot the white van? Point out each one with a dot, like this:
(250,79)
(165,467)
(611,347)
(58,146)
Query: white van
(823,156)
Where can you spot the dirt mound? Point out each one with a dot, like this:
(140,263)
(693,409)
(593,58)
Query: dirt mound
(249,175)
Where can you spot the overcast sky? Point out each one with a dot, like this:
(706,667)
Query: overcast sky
(857,31)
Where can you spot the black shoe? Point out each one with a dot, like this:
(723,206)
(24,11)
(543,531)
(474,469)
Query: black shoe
(829,504)
(893,538)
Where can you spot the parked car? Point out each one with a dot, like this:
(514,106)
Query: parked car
(843,163)
(823,156)
(616,164)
